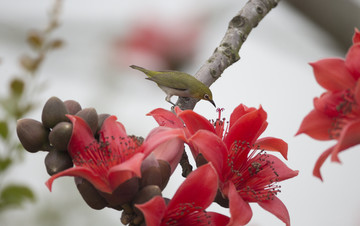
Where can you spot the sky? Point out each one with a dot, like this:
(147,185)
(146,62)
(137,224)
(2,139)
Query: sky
(273,72)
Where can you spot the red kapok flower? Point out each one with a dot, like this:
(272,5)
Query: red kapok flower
(188,206)
(336,114)
(244,174)
(115,158)
(159,44)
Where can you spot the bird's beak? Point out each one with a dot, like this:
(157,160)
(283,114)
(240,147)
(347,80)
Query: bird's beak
(213,103)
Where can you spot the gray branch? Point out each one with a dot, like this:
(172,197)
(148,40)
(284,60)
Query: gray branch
(227,52)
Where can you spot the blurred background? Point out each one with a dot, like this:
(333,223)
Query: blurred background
(102,38)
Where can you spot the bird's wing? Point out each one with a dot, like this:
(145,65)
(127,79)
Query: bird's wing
(170,81)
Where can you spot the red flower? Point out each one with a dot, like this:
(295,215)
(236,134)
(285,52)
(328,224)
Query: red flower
(188,205)
(115,158)
(158,44)
(336,114)
(244,174)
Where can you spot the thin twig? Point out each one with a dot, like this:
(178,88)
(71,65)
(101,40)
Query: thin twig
(227,52)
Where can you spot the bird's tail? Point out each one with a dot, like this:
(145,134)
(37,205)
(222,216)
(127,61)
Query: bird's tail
(147,72)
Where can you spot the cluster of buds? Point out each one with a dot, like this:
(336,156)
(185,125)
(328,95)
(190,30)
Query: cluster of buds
(54,135)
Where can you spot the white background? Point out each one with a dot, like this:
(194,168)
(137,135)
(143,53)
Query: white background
(273,71)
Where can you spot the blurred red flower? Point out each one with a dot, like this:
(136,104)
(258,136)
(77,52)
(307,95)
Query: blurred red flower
(160,45)
(336,114)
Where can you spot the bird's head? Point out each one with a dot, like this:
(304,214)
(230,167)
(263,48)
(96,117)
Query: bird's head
(205,94)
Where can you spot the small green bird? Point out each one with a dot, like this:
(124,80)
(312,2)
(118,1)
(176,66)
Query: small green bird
(178,84)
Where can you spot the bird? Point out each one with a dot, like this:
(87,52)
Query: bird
(178,83)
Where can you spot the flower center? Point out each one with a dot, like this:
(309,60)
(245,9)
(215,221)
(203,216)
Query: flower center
(346,109)
(187,214)
(252,173)
(109,151)
(219,124)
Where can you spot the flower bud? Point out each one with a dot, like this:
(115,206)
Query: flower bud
(54,111)
(32,135)
(144,195)
(90,194)
(72,106)
(60,135)
(147,193)
(101,119)
(151,176)
(57,161)
(90,116)
(123,194)
(165,170)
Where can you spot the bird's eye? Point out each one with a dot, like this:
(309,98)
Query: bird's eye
(206,96)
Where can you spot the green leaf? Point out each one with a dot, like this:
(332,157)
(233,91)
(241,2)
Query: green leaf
(17,86)
(4,163)
(4,130)
(15,195)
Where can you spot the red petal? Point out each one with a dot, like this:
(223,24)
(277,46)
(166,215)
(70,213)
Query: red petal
(332,74)
(357,92)
(276,207)
(218,219)
(170,151)
(320,161)
(199,188)
(166,118)
(356,37)
(238,112)
(329,102)
(112,128)
(126,170)
(212,148)
(85,173)
(350,136)
(352,60)
(153,210)
(195,122)
(281,169)
(81,136)
(247,128)
(273,144)
(240,210)
(316,125)
(161,135)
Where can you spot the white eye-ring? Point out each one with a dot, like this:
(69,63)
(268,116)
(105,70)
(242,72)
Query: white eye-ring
(206,96)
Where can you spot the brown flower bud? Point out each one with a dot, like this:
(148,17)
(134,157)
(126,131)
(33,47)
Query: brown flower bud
(147,193)
(57,161)
(54,111)
(123,194)
(60,135)
(165,170)
(32,135)
(151,176)
(90,194)
(72,106)
(90,116)
(101,119)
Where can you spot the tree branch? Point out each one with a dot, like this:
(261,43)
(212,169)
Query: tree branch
(227,52)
